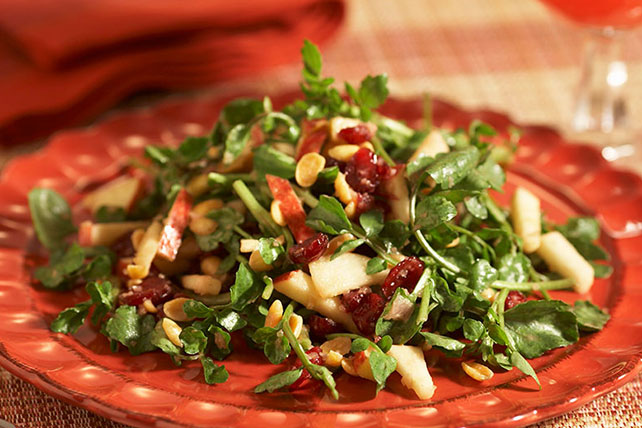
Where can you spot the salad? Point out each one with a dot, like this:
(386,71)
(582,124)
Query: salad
(328,236)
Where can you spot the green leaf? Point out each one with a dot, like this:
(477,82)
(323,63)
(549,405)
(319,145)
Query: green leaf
(328,175)
(268,160)
(241,111)
(221,344)
(517,360)
(107,214)
(144,342)
(450,168)
(159,155)
(230,320)
(589,316)
(124,325)
(278,381)
(226,219)
(372,222)
(160,340)
(276,348)
(51,217)
(246,288)
(196,309)
(329,217)
(373,91)
(193,340)
(311,59)
(514,268)
(433,211)
(476,208)
(376,265)
(449,346)
(270,250)
(395,232)
(193,149)
(60,270)
(537,326)
(69,320)
(213,373)
(585,228)
(482,275)
(601,271)
(359,345)
(235,142)
(382,366)
(385,343)
(488,174)
(98,268)
(473,329)
(101,296)
(347,246)
(589,250)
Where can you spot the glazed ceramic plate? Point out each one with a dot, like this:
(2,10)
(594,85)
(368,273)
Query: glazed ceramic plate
(148,390)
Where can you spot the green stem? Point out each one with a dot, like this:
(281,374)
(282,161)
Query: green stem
(425,307)
(499,303)
(218,300)
(558,284)
(306,196)
(376,142)
(376,248)
(241,232)
(474,237)
(497,214)
(215,178)
(260,214)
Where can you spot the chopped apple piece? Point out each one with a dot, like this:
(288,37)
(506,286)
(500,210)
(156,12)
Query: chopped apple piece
(344,273)
(91,234)
(314,133)
(396,190)
(526,216)
(290,207)
(411,365)
(146,252)
(175,224)
(119,193)
(298,286)
(432,145)
(562,257)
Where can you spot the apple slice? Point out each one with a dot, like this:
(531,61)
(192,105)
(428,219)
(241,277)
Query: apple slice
(411,365)
(92,234)
(432,145)
(396,191)
(562,257)
(526,216)
(298,286)
(313,136)
(120,193)
(344,273)
(175,224)
(146,252)
(290,206)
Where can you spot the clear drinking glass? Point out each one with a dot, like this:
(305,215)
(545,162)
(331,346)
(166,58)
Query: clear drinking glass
(601,108)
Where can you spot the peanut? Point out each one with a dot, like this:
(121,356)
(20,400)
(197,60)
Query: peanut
(308,168)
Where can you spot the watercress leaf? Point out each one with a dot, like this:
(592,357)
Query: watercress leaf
(476,208)
(589,316)
(589,250)
(98,268)
(221,347)
(347,246)
(482,275)
(196,309)
(193,149)
(584,228)
(473,329)
(241,111)
(514,268)
(144,341)
(328,175)
(235,142)
(498,334)
(395,232)
(329,217)
(69,320)
(311,59)
(278,381)
(537,326)
(449,346)
(398,318)
(124,325)
(449,300)
(270,250)
(359,344)
(385,343)
(433,211)
(488,174)
(213,373)
(376,265)
(160,340)
(372,222)
(159,155)
(51,217)
(373,91)
(382,366)
(601,271)
(450,168)
(226,219)
(194,341)
(518,361)
(246,288)
(107,214)
(103,299)
(276,348)
(230,320)
(59,270)
(268,160)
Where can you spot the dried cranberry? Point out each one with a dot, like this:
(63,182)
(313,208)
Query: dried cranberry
(310,249)
(154,288)
(305,380)
(405,274)
(356,134)
(362,171)
(123,247)
(365,203)
(320,327)
(365,316)
(353,298)
(330,162)
(513,299)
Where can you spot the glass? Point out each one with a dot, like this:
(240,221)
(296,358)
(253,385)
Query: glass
(601,101)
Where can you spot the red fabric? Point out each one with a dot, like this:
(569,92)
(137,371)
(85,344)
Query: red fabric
(64,61)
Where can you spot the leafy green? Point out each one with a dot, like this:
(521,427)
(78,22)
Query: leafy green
(51,217)
(433,211)
(372,222)
(482,275)
(329,217)
(60,269)
(193,340)
(449,346)
(246,288)
(268,160)
(382,367)
(347,246)
(212,372)
(196,309)
(376,265)
(69,320)
(450,168)
(270,250)
(278,381)
(514,268)
(226,219)
(589,316)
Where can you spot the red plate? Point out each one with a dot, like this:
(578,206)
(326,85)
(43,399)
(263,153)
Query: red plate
(569,178)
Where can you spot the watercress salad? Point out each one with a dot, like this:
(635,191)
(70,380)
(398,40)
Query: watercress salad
(329,236)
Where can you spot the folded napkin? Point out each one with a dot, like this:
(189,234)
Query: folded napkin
(64,61)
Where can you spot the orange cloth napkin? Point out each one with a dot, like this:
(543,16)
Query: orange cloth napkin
(64,61)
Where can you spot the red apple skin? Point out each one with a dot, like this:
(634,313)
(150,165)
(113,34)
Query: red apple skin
(84,234)
(175,225)
(313,137)
(291,207)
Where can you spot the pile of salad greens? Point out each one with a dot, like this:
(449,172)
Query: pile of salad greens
(469,262)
